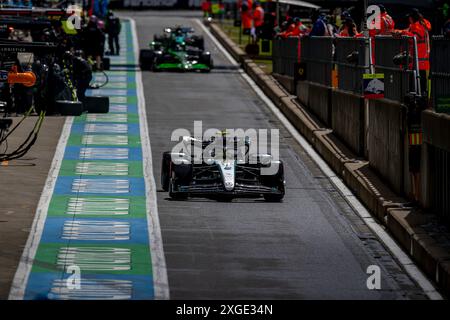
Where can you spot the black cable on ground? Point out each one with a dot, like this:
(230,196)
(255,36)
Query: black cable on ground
(17,124)
(28,143)
(98,86)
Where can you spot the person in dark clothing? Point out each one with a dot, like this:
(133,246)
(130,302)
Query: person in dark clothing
(113,28)
(320,25)
(93,41)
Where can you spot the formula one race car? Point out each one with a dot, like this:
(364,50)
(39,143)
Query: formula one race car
(219,176)
(182,34)
(173,53)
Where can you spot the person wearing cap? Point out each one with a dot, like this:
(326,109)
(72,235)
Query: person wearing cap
(320,27)
(93,40)
(113,28)
(295,29)
(419,27)
(349,29)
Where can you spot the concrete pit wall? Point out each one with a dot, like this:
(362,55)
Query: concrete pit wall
(319,102)
(347,119)
(435,166)
(386,141)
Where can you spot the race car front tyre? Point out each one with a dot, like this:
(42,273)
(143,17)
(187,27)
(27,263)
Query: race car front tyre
(273,197)
(146,59)
(206,59)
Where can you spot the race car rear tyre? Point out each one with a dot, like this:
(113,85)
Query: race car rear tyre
(165,171)
(96,104)
(199,42)
(69,108)
(275,181)
(206,59)
(176,195)
(146,59)
(224,198)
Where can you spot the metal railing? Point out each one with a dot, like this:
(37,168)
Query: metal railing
(440,72)
(285,54)
(397,59)
(317,53)
(352,59)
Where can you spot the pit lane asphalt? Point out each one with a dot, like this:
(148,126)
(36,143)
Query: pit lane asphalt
(310,246)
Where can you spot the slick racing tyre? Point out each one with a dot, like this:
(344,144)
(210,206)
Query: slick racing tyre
(165,171)
(96,104)
(69,108)
(275,181)
(175,195)
(206,59)
(106,63)
(198,42)
(273,197)
(146,59)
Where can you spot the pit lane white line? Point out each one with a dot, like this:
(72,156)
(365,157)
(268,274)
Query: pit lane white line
(396,251)
(160,281)
(20,280)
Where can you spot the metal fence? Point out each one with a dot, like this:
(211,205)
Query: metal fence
(317,53)
(352,59)
(440,73)
(285,56)
(396,58)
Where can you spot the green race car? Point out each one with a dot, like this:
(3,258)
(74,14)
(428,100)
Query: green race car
(172,52)
(182,34)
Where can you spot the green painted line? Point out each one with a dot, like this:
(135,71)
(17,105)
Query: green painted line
(69,167)
(46,258)
(136,207)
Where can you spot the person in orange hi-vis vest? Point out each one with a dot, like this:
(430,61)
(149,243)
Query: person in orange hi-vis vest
(386,27)
(419,27)
(349,29)
(295,29)
(258,18)
(206,8)
(247,17)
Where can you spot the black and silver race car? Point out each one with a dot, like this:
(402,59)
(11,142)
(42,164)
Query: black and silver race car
(219,176)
